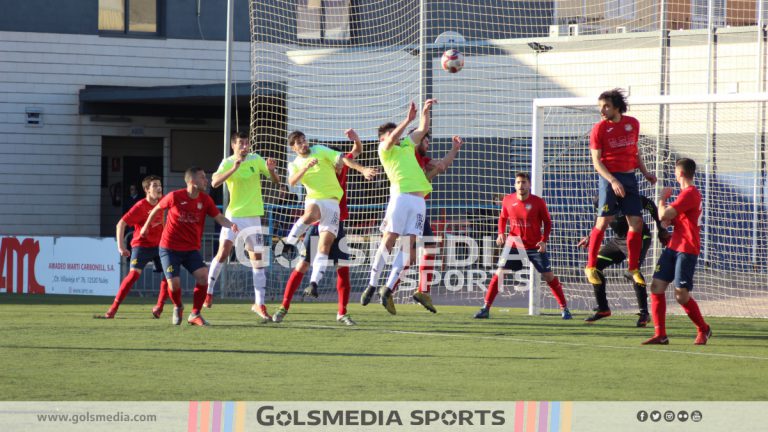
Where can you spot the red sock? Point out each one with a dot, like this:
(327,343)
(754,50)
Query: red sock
(557,291)
(294,280)
(634,244)
(425,273)
(125,288)
(343,287)
(692,309)
(397,282)
(493,289)
(659,312)
(595,241)
(198,298)
(175,296)
(163,294)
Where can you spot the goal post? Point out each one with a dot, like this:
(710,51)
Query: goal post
(724,133)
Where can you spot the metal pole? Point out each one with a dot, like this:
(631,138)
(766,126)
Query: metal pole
(663,108)
(537,186)
(708,154)
(759,63)
(228,93)
(425,58)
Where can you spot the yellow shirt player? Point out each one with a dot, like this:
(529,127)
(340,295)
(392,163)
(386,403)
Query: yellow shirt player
(406,211)
(242,172)
(315,167)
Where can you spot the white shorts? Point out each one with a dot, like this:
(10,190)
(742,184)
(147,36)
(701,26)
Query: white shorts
(329,214)
(405,215)
(255,237)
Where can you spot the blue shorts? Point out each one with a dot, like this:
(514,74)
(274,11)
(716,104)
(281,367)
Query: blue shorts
(336,254)
(140,256)
(173,260)
(540,261)
(428,231)
(676,266)
(609,204)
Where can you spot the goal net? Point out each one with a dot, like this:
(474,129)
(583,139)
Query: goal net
(323,66)
(724,134)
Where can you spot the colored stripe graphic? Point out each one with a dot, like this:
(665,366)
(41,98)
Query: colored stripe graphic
(519,416)
(554,417)
(229,416)
(530,417)
(543,416)
(566,417)
(205,416)
(192,417)
(240,417)
(216,425)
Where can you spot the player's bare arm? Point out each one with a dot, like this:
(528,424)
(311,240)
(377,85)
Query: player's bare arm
(357,144)
(295,178)
(150,218)
(647,174)
(616,185)
(226,223)
(271,165)
(120,234)
(394,137)
(424,122)
(368,173)
(219,179)
(666,212)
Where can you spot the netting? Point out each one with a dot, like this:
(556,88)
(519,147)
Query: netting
(726,141)
(324,66)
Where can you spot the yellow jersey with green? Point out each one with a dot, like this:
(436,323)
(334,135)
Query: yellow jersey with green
(403,170)
(244,185)
(320,180)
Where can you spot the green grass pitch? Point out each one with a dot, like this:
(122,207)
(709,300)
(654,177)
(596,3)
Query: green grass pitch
(52,349)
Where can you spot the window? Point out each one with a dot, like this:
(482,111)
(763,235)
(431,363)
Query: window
(620,9)
(128,16)
(700,17)
(324,20)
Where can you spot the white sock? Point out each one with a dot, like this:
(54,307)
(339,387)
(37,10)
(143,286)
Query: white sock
(318,267)
(378,265)
(259,285)
(297,230)
(213,274)
(397,270)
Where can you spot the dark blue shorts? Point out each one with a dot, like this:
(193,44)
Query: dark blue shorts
(336,254)
(427,229)
(140,256)
(539,260)
(676,266)
(609,204)
(173,260)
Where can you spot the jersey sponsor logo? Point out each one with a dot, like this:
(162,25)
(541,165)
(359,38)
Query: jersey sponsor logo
(10,247)
(199,206)
(628,127)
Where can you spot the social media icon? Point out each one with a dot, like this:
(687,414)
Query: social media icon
(655,416)
(642,416)
(669,416)
(696,416)
(682,416)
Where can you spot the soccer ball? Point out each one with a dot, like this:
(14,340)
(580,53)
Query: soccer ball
(452,61)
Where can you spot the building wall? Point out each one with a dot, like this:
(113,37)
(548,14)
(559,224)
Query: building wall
(51,174)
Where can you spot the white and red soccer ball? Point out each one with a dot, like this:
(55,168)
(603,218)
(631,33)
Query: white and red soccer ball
(452,61)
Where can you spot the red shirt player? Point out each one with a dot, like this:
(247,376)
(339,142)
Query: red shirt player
(182,237)
(343,283)
(615,156)
(526,214)
(143,249)
(678,261)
